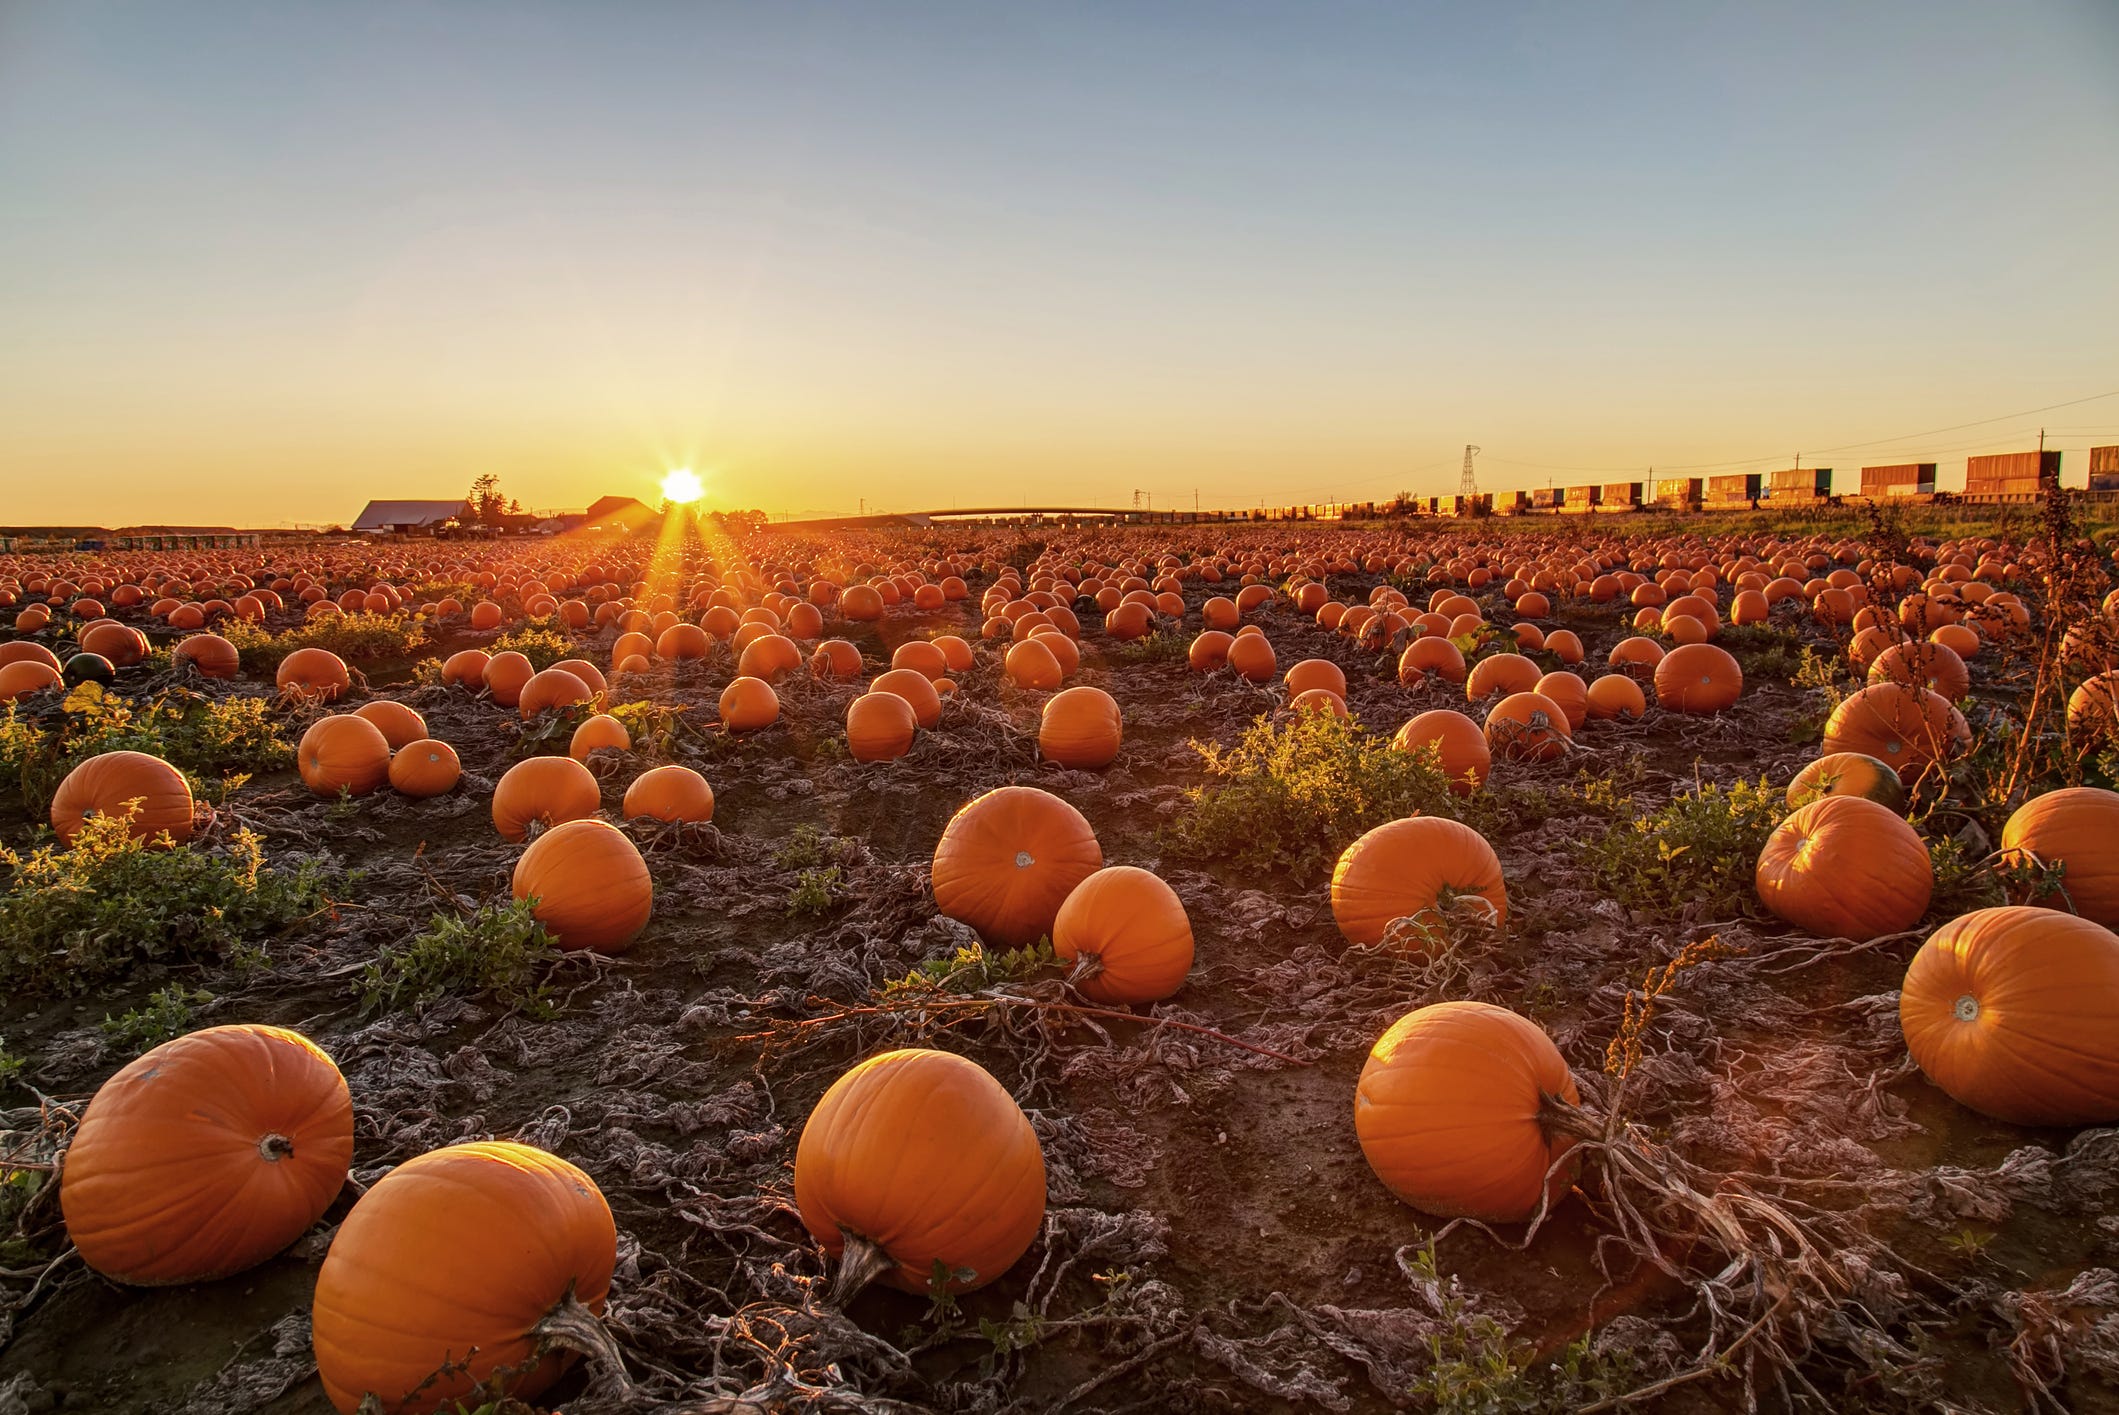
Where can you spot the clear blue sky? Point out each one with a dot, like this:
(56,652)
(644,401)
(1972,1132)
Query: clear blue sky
(261,261)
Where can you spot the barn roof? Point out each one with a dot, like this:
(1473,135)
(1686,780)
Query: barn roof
(381,515)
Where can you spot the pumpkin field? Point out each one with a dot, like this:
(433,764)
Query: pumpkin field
(1652,962)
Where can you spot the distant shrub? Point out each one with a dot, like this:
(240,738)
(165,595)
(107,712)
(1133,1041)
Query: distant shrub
(350,636)
(538,641)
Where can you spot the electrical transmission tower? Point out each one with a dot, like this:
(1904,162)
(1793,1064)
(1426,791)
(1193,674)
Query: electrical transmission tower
(1468,485)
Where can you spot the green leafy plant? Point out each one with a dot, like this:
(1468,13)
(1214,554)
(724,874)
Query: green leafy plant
(1703,847)
(653,727)
(803,849)
(1162,646)
(501,950)
(974,969)
(350,636)
(203,737)
(538,641)
(11,1067)
(167,1014)
(815,892)
(1293,796)
(73,919)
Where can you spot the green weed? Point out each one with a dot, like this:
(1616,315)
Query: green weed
(1701,848)
(350,636)
(501,950)
(815,892)
(539,642)
(973,969)
(166,1015)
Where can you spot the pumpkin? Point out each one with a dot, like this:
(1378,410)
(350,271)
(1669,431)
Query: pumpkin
(1923,665)
(523,1231)
(552,688)
(1209,651)
(425,768)
(2077,827)
(1408,867)
(507,674)
(313,675)
(1080,728)
(748,704)
(212,655)
(466,668)
(880,727)
(596,734)
(23,651)
(916,689)
(1458,746)
(670,793)
(1616,697)
(1697,677)
(1127,933)
(1032,664)
(150,793)
(921,655)
(1500,674)
(343,753)
(1907,728)
(122,644)
(206,1156)
(1008,860)
(1431,654)
(2093,711)
(1251,657)
(1450,1112)
(20,679)
(915,1158)
(2015,1013)
(1848,774)
(547,790)
(589,885)
(1316,673)
(398,724)
(1570,693)
(769,658)
(1528,727)
(1846,867)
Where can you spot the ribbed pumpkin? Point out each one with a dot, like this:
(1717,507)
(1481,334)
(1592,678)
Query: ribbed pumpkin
(314,675)
(521,1231)
(550,790)
(1448,1113)
(2077,827)
(1698,677)
(914,1158)
(1846,867)
(1407,867)
(1615,697)
(552,688)
(1848,774)
(206,1156)
(915,688)
(748,704)
(1134,927)
(1459,747)
(1500,675)
(1528,727)
(2015,1013)
(1081,727)
(1908,729)
(399,724)
(1031,664)
(1008,860)
(1923,665)
(122,644)
(343,753)
(880,727)
(425,768)
(670,793)
(507,674)
(27,676)
(592,889)
(466,668)
(212,655)
(835,658)
(596,734)
(111,783)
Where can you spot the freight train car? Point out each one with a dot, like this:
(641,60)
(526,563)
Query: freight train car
(1798,485)
(1679,493)
(1620,496)
(1734,489)
(1582,499)
(2010,476)
(1549,498)
(1898,481)
(2104,468)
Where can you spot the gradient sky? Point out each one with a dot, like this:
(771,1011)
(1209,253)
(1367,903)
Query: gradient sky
(260,262)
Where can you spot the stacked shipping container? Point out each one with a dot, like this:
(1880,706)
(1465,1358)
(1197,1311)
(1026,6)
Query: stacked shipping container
(1799,484)
(1620,496)
(1735,489)
(2104,468)
(2011,474)
(1899,479)
(1678,493)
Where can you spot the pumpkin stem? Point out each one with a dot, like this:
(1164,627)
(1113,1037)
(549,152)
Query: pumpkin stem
(275,1147)
(1086,966)
(862,1262)
(570,1326)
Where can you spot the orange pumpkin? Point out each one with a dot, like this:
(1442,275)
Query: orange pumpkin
(524,1231)
(1209,651)
(1032,664)
(546,790)
(1431,655)
(880,727)
(1131,928)
(398,723)
(1008,860)
(425,768)
(1450,1113)
(24,677)
(1923,665)
(343,753)
(151,794)
(1697,677)
(313,675)
(1907,728)
(670,793)
(597,734)
(1570,692)
(1081,728)
(1846,867)
(916,689)
(1459,747)
(1500,675)
(507,674)
(466,668)
(212,655)
(1848,774)
(1616,697)
(835,658)
(2093,711)
(916,1158)
(552,688)
(2015,1012)
(1252,657)
(2077,827)
(206,1156)
(1406,868)
(1316,673)
(748,704)
(122,644)
(590,886)
(1528,727)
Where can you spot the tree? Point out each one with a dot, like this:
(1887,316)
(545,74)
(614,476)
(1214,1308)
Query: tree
(485,506)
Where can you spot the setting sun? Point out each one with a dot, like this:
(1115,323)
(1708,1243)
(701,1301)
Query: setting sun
(683,485)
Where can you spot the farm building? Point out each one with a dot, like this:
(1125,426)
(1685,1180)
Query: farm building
(406,517)
(617,513)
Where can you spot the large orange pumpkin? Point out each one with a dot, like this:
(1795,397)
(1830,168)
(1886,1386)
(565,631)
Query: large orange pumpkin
(1081,727)
(206,1156)
(550,790)
(2015,1013)
(24,677)
(398,724)
(425,768)
(1698,677)
(1407,867)
(2077,827)
(1458,746)
(552,688)
(343,753)
(1134,928)
(149,792)
(596,734)
(522,1231)
(1528,727)
(1501,674)
(1907,728)
(915,688)
(507,674)
(1846,867)
(592,889)
(313,674)
(880,727)
(670,793)
(748,704)
(1615,697)
(1008,860)
(914,1158)
(1450,1113)
(212,655)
